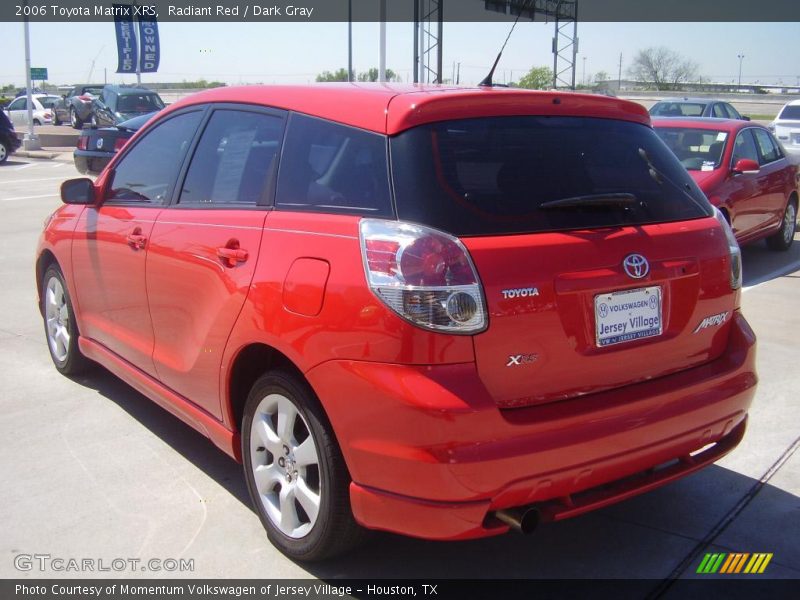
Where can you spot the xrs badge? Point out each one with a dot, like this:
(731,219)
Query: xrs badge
(517,360)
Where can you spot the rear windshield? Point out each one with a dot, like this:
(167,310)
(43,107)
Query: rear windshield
(791,111)
(139,103)
(697,149)
(493,175)
(677,109)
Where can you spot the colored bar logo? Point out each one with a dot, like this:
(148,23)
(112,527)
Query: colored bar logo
(735,562)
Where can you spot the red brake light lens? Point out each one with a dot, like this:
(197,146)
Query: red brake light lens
(119,143)
(426,276)
(83,142)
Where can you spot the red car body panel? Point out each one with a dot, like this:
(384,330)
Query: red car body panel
(754,202)
(424,419)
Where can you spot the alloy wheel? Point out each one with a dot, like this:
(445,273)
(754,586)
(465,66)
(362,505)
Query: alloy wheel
(285,466)
(789,222)
(57,319)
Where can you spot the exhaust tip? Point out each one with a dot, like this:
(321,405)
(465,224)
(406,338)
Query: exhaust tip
(525,519)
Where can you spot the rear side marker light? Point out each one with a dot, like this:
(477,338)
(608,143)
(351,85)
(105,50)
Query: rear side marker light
(424,275)
(733,248)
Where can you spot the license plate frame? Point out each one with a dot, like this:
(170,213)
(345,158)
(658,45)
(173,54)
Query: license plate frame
(628,315)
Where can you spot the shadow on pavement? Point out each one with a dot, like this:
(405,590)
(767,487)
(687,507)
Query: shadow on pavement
(760,264)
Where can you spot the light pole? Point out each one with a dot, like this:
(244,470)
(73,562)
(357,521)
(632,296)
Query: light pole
(741,58)
(31,140)
(584,71)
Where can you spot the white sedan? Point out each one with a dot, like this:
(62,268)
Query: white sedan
(42,110)
(786,127)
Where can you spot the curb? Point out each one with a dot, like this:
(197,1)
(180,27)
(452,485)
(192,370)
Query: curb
(43,154)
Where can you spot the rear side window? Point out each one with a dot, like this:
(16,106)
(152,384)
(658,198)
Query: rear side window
(492,175)
(234,159)
(148,170)
(768,149)
(327,167)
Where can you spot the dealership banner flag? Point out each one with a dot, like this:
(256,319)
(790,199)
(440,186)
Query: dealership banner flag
(149,46)
(127,57)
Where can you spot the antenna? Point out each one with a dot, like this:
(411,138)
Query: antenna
(487,81)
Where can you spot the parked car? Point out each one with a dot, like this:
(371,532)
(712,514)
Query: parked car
(695,107)
(97,146)
(743,171)
(9,142)
(116,104)
(786,127)
(449,313)
(75,107)
(42,110)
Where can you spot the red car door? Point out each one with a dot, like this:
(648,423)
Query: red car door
(747,193)
(112,240)
(774,168)
(205,246)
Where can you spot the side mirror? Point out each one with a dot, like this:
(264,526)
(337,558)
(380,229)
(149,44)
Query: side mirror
(745,118)
(78,191)
(745,166)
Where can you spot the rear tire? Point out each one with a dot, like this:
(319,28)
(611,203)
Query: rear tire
(295,472)
(56,120)
(37,122)
(60,327)
(74,119)
(782,240)
(4,152)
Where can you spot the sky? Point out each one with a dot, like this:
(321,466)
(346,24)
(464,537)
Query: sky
(296,52)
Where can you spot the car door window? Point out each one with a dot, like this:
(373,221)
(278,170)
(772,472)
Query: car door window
(767,149)
(744,147)
(719,111)
(18,104)
(732,112)
(234,159)
(328,167)
(148,170)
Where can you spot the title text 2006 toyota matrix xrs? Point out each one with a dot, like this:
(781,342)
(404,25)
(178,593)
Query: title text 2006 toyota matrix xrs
(439,312)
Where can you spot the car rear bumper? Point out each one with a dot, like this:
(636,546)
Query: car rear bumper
(432,456)
(87,161)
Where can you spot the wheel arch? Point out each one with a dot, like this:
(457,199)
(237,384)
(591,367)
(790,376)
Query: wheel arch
(46,258)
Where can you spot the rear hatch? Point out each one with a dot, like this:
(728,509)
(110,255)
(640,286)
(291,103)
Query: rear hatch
(598,255)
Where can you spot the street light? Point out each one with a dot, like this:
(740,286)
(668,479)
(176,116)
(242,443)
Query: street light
(584,71)
(741,58)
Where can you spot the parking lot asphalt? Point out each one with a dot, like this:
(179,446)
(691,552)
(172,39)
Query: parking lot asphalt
(92,469)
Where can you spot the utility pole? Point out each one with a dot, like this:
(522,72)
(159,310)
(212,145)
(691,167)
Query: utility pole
(349,40)
(30,141)
(619,75)
(382,53)
(741,58)
(584,71)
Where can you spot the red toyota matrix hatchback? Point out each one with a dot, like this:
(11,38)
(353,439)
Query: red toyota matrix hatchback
(440,312)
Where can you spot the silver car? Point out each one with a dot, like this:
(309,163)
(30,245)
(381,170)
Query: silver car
(786,128)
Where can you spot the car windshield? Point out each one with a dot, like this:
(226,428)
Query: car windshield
(791,111)
(502,175)
(677,109)
(697,149)
(128,103)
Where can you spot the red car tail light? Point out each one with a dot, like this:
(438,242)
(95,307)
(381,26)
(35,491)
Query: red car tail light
(119,143)
(426,276)
(83,142)
(733,248)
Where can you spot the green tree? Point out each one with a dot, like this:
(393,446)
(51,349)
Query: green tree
(538,78)
(601,76)
(338,75)
(372,75)
(664,68)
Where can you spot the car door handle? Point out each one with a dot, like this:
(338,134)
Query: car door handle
(231,256)
(136,241)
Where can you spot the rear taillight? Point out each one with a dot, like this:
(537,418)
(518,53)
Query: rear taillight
(733,248)
(85,98)
(119,143)
(424,275)
(48,115)
(83,142)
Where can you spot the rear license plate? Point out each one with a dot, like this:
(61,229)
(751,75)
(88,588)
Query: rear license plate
(628,315)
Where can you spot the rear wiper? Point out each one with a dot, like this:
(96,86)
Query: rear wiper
(593,201)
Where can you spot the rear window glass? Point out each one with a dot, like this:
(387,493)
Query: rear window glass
(139,103)
(492,176)
(677,109)
(328,167)
(791,111)
(697,149)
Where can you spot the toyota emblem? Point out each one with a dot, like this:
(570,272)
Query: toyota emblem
(636,266)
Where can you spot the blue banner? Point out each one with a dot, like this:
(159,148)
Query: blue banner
(127,57)
(149,46)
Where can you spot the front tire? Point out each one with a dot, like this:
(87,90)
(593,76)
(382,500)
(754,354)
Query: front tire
(295,472)
(4,152)
(56,119)
(74,119)
(782,240)
(60,326)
